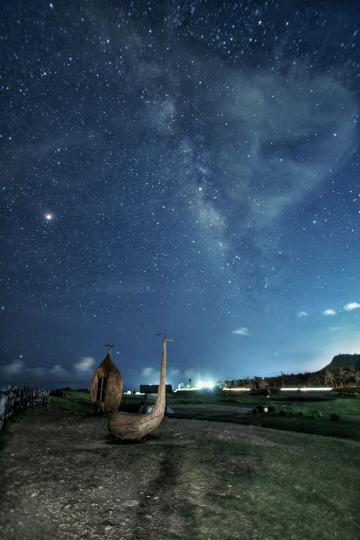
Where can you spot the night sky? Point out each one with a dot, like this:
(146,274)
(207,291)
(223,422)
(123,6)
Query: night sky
(189,167)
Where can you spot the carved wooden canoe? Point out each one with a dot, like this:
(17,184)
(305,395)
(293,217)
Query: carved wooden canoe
(127,426)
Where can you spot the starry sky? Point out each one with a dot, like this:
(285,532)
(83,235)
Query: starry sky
(189,167)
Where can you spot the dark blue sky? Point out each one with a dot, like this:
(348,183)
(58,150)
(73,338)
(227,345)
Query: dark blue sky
(191,167)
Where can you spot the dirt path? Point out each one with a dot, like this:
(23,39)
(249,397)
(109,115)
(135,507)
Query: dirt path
(62,478)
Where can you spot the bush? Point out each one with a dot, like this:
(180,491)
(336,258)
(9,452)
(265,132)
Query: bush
(334,417)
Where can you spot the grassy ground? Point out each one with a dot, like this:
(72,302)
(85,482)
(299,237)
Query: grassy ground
(191,480)
(74,401)
(292,404)
(325,427)
(340,406)
(295,485)
(310,414)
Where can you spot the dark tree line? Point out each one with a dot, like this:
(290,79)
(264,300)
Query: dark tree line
(334,378)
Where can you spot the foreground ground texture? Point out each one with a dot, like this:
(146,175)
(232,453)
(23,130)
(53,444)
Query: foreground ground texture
(61,477)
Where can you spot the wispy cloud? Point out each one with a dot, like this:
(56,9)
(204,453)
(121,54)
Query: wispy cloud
(265,118)
(13,369)
(147,371)
(329,312)
(85,364)
(351,306)
(36,372)
(243,331)
(151,375)
(17,370)
(301,314)
(58,371)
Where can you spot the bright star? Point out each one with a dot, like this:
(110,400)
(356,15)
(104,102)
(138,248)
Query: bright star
(49,216)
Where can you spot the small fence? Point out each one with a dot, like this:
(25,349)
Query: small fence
(15,399)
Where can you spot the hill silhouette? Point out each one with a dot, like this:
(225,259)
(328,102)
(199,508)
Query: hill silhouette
(346,361)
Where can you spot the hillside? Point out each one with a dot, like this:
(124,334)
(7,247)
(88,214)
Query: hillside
(347,361)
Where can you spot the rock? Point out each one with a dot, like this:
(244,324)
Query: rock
(131,502)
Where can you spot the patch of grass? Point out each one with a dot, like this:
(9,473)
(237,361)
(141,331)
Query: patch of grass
(131,403)
(312,404)
(321,408)
(206,396)
(295,486)
(326,427)
(73,402)
(296,414)
(80,402)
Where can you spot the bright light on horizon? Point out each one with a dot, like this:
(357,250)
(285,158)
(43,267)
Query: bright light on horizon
(201,385)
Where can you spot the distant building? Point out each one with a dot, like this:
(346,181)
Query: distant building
(153,389)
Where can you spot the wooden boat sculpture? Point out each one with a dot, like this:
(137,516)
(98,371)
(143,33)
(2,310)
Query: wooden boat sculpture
(106,385)
(128,426)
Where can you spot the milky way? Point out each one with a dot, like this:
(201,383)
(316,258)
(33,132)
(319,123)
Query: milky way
(190,167)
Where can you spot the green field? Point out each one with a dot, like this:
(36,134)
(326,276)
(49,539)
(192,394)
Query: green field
(75,401)
(294,487)
(336,417)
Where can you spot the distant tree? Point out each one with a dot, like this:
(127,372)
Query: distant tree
(260,383)
(340,377)
(328,378)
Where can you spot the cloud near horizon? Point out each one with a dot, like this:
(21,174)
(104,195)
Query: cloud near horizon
(17,368)
(85,363)
(153,375)
(13,369)
(243,331)
(329,312)
(351,306)
(58,371)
